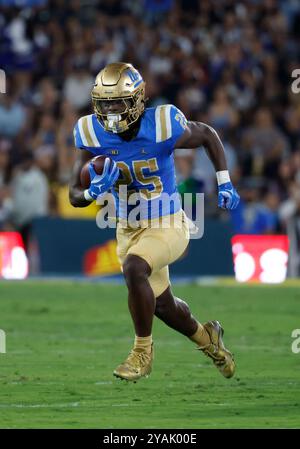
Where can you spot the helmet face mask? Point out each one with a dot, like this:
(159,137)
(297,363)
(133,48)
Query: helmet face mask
(118,105)
(118,97)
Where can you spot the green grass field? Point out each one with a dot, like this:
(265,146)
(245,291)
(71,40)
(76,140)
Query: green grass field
(64,339)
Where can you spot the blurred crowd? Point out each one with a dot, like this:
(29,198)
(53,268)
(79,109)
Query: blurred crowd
(227,63)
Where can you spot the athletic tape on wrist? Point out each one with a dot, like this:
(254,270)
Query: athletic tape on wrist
(222,177)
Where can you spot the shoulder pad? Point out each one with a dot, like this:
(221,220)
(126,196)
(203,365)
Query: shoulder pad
(163,126)
(84,133)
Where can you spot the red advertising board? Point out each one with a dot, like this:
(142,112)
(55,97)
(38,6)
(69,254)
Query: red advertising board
(260,258)
(13,259)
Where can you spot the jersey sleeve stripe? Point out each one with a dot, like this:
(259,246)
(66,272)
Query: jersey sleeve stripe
(81,132)
(163,123)
(168,121)
(92,131)
(158,124)
(87,132)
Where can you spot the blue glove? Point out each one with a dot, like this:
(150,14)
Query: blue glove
(100,184)
(228,198)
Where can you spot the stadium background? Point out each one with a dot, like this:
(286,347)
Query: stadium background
(225,63)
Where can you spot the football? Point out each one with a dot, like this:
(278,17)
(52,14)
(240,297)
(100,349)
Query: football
(98,162)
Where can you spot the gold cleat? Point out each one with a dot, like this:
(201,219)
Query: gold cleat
(222,358)
(138,364)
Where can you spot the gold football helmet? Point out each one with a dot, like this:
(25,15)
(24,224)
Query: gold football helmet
(119,82)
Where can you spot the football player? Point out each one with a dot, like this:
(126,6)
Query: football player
(140,143)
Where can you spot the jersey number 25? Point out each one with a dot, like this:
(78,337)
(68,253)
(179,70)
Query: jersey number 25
(153,182)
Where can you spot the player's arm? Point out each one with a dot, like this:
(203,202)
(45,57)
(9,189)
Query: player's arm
(199,134)
(76,192)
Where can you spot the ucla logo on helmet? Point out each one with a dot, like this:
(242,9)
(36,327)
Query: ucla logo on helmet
(134,76)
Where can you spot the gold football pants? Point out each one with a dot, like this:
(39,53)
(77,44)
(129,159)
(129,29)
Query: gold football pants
(159,244)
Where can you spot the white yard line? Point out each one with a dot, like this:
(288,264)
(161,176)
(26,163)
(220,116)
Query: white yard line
(67,405)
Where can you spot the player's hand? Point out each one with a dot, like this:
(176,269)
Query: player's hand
(228,198)
(100,184)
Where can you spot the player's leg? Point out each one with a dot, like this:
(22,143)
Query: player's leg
(174,311)
(208,336)
(176,314)
(146,251)
(141,303)
(141,300)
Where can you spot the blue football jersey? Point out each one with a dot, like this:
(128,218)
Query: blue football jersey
(146,162)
